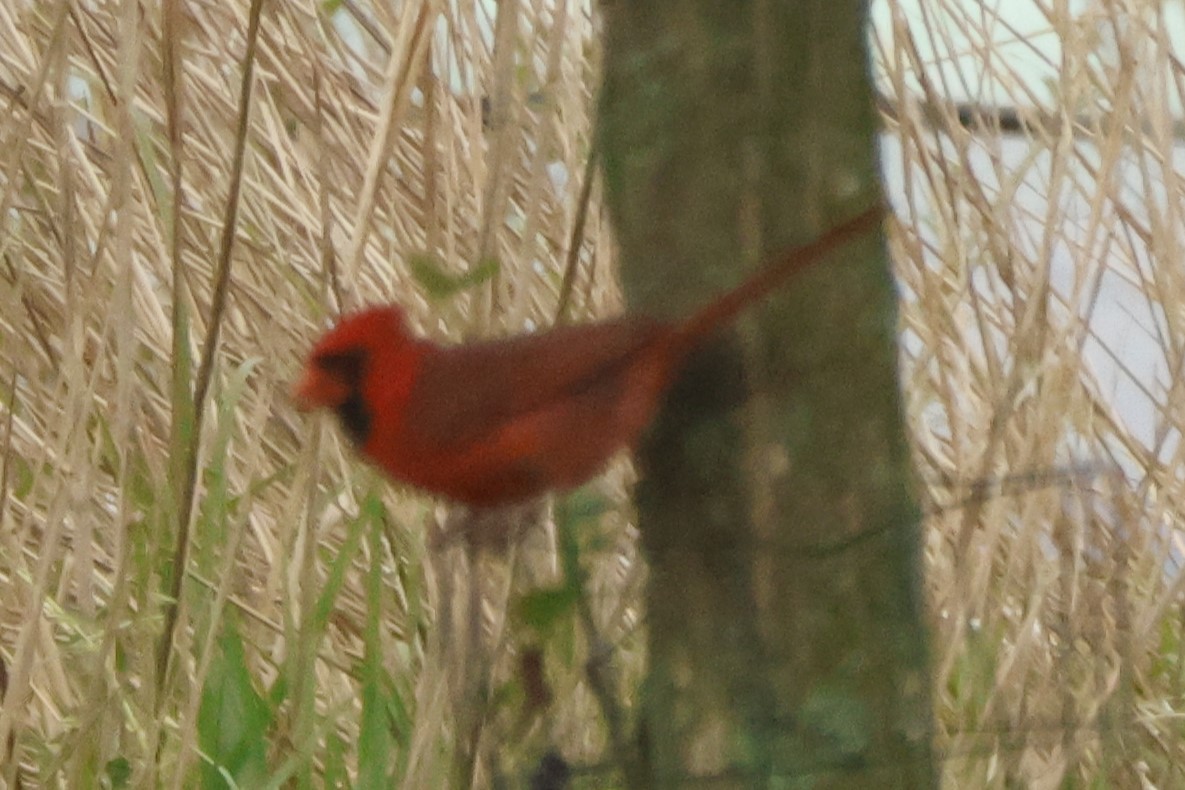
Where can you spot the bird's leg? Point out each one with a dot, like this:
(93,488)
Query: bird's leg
(487,529)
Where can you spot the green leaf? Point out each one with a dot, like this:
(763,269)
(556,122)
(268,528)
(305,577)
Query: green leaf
(439,284)
(182,443)
(119,772)
(541,609)
(342,559)
(580,507)
(335,774)
(375,743)
(20,476)
(233,720)
(277,695)
(575,515)
(840,716)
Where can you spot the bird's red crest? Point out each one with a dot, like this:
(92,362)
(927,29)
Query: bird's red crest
(362,330)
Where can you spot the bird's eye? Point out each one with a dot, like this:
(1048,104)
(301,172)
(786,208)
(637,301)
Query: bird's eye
(347,366)
(346,370)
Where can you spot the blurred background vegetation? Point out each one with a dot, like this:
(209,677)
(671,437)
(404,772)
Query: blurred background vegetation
(152,209)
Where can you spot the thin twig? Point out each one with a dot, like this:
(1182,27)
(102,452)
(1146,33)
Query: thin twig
(210,347)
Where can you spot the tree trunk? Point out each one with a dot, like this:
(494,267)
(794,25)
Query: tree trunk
(787,640)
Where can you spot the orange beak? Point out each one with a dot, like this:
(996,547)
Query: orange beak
(317,390)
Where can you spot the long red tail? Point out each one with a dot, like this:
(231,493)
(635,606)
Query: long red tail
(724,308)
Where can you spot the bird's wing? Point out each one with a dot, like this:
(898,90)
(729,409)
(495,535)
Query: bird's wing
(468,391)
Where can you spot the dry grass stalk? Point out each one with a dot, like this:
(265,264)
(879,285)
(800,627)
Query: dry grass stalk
(1056,597)
(1024,261)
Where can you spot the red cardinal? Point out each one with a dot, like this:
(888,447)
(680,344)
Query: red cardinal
(502,421)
